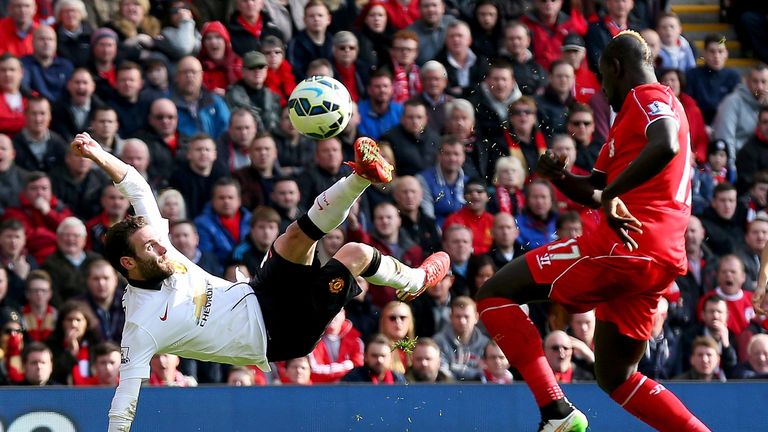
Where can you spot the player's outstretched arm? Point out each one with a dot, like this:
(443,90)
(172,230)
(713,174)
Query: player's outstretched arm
(580,189)
(85,146)
(124,403)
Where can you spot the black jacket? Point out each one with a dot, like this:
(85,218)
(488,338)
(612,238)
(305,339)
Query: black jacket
(413,153)
(243,41)
(55,150)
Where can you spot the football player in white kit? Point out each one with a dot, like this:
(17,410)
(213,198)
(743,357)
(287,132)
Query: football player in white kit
(174,306)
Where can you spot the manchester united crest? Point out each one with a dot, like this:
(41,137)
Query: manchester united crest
(336,285)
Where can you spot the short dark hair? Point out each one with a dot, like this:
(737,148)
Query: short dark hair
(723,187)
(580,108)
(447,140)
(38,274)
(34,347)
(117,243)
(35,176)
(757,178)
(264,214)
(714,38)
(377,339)
(380,72)
(680,75)
(226,181)
(567,217)
(414,102)
(104,348)
(95,264)
(713,299)
(128,65)
(763,110)
(11,225)
(99,109)
(184,222)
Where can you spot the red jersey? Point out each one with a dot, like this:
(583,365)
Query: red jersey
(663,203)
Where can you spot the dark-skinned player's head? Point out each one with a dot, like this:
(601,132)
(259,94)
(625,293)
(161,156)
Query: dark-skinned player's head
(624,64)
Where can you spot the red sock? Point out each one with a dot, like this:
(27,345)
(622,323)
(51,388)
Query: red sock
(516,335)
(652,403)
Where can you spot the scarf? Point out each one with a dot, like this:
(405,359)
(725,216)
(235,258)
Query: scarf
(612,27)
(515,149)
(405,84)
(504,199)
(388,378)
(255,28)
(347,77)
(82,370)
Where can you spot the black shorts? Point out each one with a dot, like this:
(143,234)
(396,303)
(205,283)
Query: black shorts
(298,301)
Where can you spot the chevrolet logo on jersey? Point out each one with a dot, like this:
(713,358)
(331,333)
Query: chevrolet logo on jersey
(202,297)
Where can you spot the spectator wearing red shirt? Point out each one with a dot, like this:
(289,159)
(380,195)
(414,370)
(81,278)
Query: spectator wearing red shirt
(390,239)
(401,13)
(280,77)
(675,79)
(39,315)
(339,351)
(41,213)
(558,349)
(575,53)
(106,365)
(474,215)
(12,103)
(221,65)
(549,26)
(16,29)
(730,280)
(375,369)
(406,81)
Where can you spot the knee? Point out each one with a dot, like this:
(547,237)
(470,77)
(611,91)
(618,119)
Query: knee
(610,380)
(355,256)
(353,249)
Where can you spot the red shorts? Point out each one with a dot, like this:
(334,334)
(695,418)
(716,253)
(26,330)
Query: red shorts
(622,289)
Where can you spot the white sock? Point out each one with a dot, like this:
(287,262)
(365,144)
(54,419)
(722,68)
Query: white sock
(331,207)
(393,273)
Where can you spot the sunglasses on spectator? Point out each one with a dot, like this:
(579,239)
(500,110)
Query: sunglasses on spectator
(559,347)
(522,112)
(394,318)
(580,123)
(10,331)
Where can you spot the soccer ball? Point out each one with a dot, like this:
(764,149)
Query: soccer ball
(320,107)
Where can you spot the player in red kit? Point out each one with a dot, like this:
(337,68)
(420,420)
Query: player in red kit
(621,267)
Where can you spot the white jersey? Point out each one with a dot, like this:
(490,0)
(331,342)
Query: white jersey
(193,314)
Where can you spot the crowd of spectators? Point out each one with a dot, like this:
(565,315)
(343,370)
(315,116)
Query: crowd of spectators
(463,97)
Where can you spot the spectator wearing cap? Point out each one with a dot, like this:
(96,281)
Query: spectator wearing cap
(280,77)
(575,53)
(531,77)
(249,25)
(44,72)
(251,93)
(222,67)
(179,38)
(314,41)
(709,83)
(16,29)
(73,31)
(717,165)
(199,110)
(13,102)
(753,157)
(549,26)
(103,61)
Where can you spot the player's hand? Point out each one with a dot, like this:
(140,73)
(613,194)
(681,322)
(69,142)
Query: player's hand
(85,146)
(621,221)
(551,166)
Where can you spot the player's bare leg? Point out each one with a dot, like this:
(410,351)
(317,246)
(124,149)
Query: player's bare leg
(616,358)
(501,303)
(332,206)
